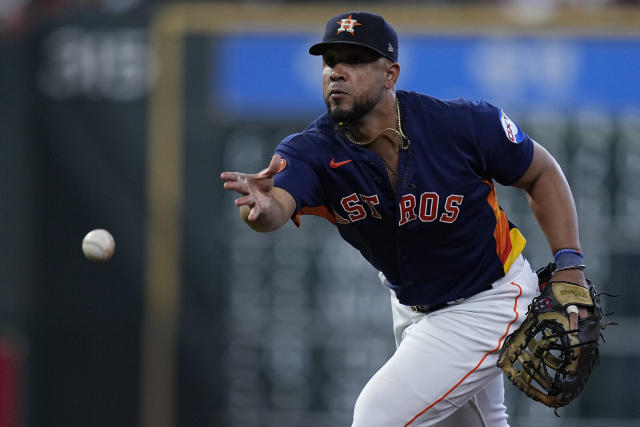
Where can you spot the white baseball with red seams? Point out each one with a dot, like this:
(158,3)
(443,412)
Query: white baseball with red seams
(98,245)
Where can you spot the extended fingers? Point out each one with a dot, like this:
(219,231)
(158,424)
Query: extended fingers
(229,176)
(234,176)
(274,167)
(256,209)
(236,186)
(246,200)
(254,213)
(235,181)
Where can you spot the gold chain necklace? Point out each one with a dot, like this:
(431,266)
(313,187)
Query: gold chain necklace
(398,131)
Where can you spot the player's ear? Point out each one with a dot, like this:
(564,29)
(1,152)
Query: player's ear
(391,74)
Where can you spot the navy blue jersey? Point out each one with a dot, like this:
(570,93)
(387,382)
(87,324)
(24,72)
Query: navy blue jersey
(441,235)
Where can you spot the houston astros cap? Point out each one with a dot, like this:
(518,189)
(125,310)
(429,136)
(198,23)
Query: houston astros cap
(360,28)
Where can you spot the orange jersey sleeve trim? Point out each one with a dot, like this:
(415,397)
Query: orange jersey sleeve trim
(509,241)
(320,211)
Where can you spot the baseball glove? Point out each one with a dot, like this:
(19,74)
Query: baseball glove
(543,357)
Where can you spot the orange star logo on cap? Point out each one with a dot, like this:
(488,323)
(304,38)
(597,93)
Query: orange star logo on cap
(347,24)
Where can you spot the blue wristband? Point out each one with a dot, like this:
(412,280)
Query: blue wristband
(567,250)
(568,258)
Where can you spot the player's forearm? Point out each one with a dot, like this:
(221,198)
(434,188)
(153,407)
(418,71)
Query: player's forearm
(551,200)
(273,216)
(268,221)
(552,203)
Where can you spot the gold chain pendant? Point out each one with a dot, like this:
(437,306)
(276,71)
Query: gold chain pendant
(398,131)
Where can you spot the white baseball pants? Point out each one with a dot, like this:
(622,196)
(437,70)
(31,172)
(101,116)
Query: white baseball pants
(444,371)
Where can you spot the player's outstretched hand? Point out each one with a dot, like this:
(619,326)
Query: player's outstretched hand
(255,188)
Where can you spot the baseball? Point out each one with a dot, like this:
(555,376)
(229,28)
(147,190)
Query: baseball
(98,245)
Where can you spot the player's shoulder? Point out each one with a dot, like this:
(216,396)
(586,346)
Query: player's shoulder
(445,106)
(459,114)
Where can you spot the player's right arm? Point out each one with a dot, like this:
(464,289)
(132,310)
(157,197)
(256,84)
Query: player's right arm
(262,206)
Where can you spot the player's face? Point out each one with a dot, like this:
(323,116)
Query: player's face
(352,81)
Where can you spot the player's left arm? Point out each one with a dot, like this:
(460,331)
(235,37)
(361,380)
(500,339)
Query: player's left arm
(552,203)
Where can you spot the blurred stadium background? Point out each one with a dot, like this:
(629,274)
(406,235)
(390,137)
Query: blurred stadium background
(121,114)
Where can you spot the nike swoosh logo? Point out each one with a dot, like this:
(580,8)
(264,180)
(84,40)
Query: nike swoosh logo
(335,164)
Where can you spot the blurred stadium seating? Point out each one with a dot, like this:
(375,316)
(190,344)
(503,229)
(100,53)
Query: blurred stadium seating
(120,114)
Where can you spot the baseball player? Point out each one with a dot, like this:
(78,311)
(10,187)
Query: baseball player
(408,180)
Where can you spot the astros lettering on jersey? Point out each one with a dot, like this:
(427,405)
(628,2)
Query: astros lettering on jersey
(441,235)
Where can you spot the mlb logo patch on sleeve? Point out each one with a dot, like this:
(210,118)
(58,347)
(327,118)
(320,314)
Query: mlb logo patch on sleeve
(511,130)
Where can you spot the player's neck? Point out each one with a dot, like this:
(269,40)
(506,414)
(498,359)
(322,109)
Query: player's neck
(381,117)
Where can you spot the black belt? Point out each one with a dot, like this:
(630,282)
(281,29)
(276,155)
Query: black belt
(428,308)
